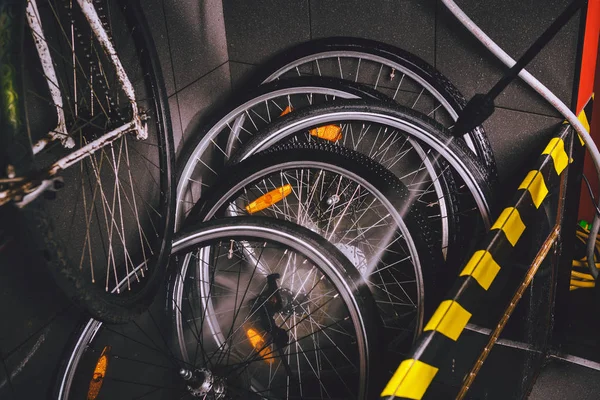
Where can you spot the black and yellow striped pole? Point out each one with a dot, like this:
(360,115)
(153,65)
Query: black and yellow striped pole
(415,374)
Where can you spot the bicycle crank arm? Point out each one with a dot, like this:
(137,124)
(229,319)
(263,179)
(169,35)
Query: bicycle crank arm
(48,187)
(30,190)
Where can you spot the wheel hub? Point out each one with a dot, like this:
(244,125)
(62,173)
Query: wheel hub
(202,383)
(291,303)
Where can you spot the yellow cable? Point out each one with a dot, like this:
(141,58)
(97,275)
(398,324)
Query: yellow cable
(580,280)
(582,275)
(583,284)
(583,263)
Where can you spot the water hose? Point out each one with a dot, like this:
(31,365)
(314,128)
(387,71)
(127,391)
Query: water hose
(548,96)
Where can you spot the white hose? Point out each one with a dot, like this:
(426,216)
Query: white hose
(546,94)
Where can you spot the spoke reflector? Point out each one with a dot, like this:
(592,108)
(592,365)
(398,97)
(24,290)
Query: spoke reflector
(99,374)
(268,199)
(333,133)
(258,342)
(287,110)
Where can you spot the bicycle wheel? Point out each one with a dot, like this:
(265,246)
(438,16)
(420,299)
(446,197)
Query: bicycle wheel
(312,335)
(114,220)
(354,203)
(402,76)
(210,148)
(380,124)
(202,163)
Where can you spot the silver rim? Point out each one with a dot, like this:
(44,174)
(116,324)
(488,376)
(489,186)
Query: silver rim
(298,247)
(113,223)
(187,245)
(191,181)
(338,56)
(438,144)
(370,237)
(230,126)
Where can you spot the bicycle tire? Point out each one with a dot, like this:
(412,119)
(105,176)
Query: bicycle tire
(390,198)
(425,130)
(47,232)
(409,64)
(204,158)
(79,360)
(209,135)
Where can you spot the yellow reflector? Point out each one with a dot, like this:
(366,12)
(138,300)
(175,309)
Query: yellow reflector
(258,342)
(333,133)
(99,374)
(287,110)
(268,199)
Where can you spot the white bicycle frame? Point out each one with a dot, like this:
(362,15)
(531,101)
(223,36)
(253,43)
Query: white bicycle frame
(136,124)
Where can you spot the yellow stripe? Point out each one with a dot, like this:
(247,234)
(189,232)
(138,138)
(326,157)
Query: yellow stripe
(584,121)
(586,124)
(535,185)
(482,267)
(411,380)
(556,149)
(511,223)
(449,319)
(582,117)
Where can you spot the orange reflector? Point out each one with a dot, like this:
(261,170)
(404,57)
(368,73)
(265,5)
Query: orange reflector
(258,342)
(333,133)
(99,374)
(268,199)
(287,110)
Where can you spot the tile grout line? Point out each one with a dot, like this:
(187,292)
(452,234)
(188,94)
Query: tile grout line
(528,112)
(203,76)
(242,62)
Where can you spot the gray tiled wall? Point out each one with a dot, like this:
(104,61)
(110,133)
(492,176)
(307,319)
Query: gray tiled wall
(190,39)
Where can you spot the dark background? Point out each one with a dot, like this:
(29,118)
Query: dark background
(207,48)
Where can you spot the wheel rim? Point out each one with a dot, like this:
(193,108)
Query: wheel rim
(363,225)
(140,361)
(198,167)
(220,138)
(113,224)
(438,144)
(220,331)
(313,65)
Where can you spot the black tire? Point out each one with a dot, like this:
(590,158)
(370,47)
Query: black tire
(197,144)
(340,270)
(79,360)
(425,251)
(416,65)
(46,225)
(207,152)
(475,199)
(466,167)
